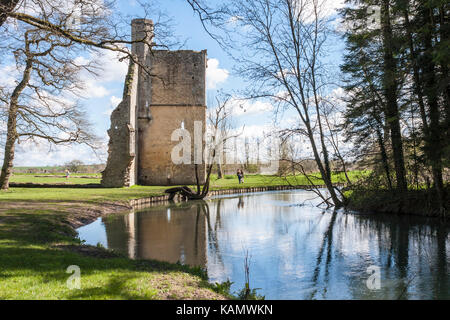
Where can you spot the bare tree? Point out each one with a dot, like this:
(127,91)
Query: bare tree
(285,41)
(6,7)
(38,107)
(221,125)
(74,166)
(92,23)
(44,39)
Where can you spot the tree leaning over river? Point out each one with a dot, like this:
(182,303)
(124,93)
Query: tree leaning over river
(285,42)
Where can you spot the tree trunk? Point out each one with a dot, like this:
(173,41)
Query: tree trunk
(325,177)
(12,127)
(434,145)
(445,78)
(418,85)
(384,158)
(9,151)
(6,6)
(219,170)
(390,89)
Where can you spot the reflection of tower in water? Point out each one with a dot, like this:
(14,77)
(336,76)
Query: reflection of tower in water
(173,234)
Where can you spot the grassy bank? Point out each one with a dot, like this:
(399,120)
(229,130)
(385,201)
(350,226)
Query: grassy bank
(38,245)
(413,202)
(100,195)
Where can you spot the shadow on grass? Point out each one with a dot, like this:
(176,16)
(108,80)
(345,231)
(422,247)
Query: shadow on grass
(34,257)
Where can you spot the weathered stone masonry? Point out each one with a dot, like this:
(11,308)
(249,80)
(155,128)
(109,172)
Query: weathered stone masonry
(121,169)
(153,107)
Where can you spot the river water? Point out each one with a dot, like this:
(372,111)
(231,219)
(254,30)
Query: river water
(295,249)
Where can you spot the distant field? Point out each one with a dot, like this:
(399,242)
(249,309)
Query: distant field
(56,174)
(56,178)
(270,180)
(230,181)
(122,194)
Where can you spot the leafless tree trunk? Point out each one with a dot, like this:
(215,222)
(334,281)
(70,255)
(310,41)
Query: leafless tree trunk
(32,111)
(219,170)
(221,124)
(220,132)
(98,24)
(12,135)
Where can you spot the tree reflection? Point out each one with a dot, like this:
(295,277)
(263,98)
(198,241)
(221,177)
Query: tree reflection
(327,243)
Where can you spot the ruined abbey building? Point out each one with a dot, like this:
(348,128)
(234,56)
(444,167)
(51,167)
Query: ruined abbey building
(153,107)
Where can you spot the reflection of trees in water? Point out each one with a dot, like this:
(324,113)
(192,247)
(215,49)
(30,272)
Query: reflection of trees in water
(218,223)
(327,243)
(212,233)
(411,253)
(442,283)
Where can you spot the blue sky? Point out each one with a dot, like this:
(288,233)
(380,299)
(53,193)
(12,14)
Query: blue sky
(105,93)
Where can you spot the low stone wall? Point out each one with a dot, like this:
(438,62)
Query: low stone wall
(164,199)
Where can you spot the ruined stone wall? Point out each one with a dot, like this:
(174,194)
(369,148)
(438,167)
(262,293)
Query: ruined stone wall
(174,96)
(178,98)
(121,167)
(180,78)
(155,166)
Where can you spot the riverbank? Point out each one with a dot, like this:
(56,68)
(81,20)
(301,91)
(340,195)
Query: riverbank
(38,243)
(413,202)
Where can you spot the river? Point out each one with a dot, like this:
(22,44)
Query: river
(295,249)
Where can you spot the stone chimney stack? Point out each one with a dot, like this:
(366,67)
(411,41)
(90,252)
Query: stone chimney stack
(142,30)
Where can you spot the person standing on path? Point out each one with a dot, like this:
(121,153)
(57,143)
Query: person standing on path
(240,175)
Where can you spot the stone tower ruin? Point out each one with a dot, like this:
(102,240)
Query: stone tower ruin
(171,97)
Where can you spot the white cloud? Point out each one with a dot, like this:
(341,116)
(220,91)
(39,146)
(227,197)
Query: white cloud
(254,131)
(330,7)
(246,107)
(325,8)
(43,154)
(92,89)
(110,69)
(215,75)
(114,102)
(9,75)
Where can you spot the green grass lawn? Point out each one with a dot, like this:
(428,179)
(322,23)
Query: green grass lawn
(96,195)
(270,180)
(33,265)
(123,194)
(28,178)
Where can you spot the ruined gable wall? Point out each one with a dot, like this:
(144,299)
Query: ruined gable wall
(121,167)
